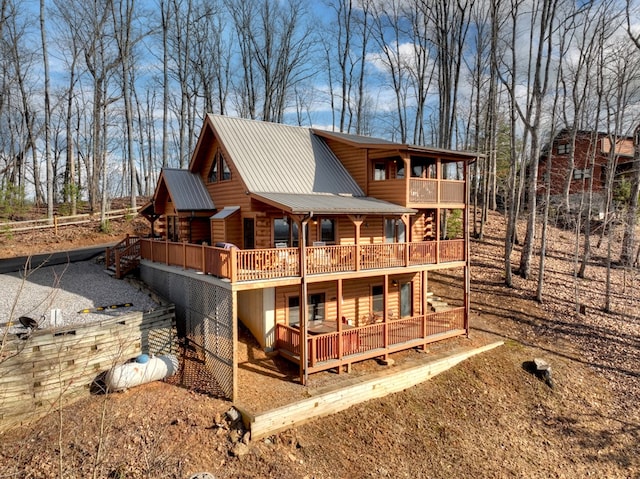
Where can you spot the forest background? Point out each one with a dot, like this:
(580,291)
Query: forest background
(97,96)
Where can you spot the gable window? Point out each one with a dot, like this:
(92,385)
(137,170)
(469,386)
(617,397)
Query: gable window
(328,230)
(563,148)
(213,174)
(220,170)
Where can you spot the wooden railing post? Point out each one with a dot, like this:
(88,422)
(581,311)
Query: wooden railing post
(203,258)
(312,351)
(184,254)
(233,263)
(118,263)
(107,258)
(166,251)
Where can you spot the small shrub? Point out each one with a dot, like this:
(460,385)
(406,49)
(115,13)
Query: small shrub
(105,227)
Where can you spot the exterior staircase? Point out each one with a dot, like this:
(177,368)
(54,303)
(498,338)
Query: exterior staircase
(436,304)
(124,257)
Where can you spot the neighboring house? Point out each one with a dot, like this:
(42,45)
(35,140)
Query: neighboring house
(582,163)
(377,218)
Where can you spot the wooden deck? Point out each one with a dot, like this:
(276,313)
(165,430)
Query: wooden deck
(335,349)
(239,265)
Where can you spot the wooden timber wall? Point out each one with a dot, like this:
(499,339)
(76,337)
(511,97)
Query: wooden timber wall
(54,367)
(336,400)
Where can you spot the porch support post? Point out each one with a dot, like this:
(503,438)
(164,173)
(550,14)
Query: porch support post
(357,221)
(437,235)
(304,353)
(467,262)
(385,319)
(423,306)
(406,221)
(339,320)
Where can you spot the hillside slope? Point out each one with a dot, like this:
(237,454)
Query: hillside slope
(487,417)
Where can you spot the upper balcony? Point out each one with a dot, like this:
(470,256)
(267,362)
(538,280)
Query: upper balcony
(430,182)
(238,265)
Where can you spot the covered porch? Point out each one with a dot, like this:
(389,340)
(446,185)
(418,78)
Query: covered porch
(332,344)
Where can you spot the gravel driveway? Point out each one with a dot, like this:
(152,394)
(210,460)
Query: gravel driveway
(70,288)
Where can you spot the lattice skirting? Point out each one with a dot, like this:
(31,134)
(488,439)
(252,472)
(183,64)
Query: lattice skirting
(204,317)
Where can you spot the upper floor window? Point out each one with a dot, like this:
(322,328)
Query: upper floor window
(453,170)
(380,171)
(563,148)
(423,167)
(579,174)
(220,170)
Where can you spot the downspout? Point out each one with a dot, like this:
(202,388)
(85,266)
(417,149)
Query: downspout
(304,353)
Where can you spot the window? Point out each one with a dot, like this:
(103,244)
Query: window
(315,311)
(281,231)
(285,230)
(328,230)
(316,307)
(294,310)
(563,148)
(173,228)
(423,167)
(380,172)
(394,231)
(213,174)
(405,300)
(579,174)
(219,164)
(377,299)
(452,170)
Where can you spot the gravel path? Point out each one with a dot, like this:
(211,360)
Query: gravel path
(70,288)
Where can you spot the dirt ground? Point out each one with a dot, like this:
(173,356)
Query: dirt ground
(486,418)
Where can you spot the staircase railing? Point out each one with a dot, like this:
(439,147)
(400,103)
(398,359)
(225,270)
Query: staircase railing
(124,256)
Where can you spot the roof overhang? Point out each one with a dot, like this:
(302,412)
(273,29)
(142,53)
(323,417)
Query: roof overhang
(329,204)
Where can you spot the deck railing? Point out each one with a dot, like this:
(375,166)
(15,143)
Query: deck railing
(426,190)
(364,342)
(274,263)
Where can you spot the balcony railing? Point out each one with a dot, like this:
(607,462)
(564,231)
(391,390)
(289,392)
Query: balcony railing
(275,263)
(324,351)
(425,190)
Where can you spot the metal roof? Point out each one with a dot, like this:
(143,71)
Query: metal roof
(225,212)
(273,157)
(187,190)
(331,204)
(370,142)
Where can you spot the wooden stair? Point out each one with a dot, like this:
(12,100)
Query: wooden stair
(436,304)
(123,258)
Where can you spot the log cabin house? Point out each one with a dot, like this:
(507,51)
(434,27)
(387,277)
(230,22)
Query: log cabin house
(581,161)
(319,235)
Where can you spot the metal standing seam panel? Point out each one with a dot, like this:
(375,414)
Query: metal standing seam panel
(326,203)
(187,190)
(275,157)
